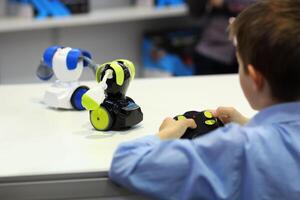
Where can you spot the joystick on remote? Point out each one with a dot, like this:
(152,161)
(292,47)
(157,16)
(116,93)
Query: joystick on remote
(205,121)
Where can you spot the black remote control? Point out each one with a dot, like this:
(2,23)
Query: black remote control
(205,121)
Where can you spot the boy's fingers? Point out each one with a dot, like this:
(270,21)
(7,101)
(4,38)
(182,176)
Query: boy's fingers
(190,123)
(221,113)
(168,119)
(225,111)
(214,113)
(225,119)
(165,123)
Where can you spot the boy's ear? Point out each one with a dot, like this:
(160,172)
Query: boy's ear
(256,76)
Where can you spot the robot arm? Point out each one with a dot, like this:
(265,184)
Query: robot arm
(90,63)
(45,71)
(92,99)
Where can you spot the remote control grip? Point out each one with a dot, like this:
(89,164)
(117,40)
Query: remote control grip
(205,121)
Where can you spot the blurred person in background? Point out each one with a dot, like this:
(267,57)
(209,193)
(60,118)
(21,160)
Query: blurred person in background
(214,53)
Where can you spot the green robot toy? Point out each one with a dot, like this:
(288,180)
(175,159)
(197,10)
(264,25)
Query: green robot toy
(110,108)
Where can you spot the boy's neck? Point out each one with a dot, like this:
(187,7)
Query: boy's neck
(272,102)
(267,102)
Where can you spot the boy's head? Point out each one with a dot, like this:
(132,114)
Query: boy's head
(267,36)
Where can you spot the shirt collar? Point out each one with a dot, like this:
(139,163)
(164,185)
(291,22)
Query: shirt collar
(284,112)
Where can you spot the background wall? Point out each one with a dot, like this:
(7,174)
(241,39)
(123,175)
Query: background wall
(21,51)
(97,4)
(2,7)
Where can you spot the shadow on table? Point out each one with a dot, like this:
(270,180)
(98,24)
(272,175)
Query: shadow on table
(91,133)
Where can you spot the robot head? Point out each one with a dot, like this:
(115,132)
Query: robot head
(67,63)
(123,73)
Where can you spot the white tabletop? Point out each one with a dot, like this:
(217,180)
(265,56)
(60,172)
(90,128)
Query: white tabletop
(36,140)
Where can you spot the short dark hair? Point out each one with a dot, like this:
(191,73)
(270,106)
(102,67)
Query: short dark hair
(268,37)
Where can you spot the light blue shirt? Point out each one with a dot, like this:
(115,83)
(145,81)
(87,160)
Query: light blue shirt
(260,160)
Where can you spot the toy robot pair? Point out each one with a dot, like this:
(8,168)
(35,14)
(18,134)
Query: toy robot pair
(110,108)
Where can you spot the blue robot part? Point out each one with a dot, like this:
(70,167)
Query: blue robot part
(163,3)
(87,58)
(72,58)
(48,55)
(77,96)
(76,54)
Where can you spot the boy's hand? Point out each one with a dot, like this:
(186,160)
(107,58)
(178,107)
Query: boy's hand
(230,114)
(172,129)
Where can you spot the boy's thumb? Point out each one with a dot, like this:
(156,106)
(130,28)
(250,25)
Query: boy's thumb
(191,123)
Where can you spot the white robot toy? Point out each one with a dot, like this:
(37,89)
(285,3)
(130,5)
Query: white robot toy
(67,65)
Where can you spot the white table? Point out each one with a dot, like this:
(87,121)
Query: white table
(58,153)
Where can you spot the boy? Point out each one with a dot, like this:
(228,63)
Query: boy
(256,159)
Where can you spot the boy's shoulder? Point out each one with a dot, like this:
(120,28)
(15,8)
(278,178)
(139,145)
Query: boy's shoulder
(239,135)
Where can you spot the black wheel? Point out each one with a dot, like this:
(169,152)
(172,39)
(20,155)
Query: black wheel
(76,97)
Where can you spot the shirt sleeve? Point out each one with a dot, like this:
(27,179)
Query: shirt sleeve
(205,168)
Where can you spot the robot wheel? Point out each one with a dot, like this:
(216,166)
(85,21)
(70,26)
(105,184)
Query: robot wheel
(76,97)
(101,119)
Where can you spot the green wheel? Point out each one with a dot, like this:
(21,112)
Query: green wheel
(101,119)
